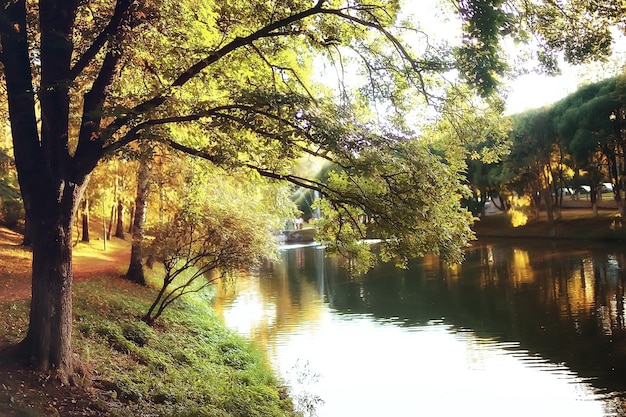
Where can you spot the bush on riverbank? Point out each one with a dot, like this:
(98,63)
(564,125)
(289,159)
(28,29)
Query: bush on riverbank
(189,364)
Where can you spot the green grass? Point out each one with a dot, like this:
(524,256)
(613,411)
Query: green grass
(188,364)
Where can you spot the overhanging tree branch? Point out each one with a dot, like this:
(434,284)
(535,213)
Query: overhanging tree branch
(221,112)
(122,8)
(198,67)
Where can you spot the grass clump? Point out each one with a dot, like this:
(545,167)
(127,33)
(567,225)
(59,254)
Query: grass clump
(188,364)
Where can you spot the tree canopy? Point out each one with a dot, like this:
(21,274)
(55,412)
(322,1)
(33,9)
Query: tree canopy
(571,147)
(226,81)
(232,82)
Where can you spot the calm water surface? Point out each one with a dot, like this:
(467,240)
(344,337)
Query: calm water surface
(528,329)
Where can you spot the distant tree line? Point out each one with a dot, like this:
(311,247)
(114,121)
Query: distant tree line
(570,148)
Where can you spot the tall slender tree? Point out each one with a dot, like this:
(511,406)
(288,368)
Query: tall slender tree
(135,271)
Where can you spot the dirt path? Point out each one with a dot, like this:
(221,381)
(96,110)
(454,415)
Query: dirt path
(89,260)
(22,391)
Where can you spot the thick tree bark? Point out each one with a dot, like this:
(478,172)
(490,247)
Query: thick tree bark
(135,269)
(48,340)
(42,164)
(28,238)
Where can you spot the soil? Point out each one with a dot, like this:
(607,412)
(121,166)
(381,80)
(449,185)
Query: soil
(24,392)
(15,282)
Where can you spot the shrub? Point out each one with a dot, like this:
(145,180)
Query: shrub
(12,212)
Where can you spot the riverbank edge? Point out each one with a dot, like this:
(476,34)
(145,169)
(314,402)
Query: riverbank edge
(574,225)
(188,364)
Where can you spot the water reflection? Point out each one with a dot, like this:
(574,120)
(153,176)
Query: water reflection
(517,329)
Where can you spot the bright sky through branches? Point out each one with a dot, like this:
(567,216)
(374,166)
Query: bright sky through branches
(531,90)
(528,91)
(534,90)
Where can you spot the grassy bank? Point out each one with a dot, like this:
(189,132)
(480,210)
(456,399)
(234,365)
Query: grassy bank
(188,364)
(574,224)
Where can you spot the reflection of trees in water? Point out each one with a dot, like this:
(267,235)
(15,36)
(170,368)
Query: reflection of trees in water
(566,305)
(280,295)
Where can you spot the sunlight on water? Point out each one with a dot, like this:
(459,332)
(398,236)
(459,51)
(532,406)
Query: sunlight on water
(325,343)
(367,368)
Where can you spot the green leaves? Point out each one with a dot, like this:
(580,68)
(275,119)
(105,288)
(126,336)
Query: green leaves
(225,225)
(579,28)
(480,58)
(401,194)
(232,82)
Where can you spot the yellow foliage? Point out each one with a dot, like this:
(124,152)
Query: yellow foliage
(518,218)
(518,211)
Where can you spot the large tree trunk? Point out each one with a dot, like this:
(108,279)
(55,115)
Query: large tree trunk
(48,341)
(135,270)
(43,169)
(51,178)
(28,237)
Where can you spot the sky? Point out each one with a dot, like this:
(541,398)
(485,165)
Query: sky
(528,91)
(534,90)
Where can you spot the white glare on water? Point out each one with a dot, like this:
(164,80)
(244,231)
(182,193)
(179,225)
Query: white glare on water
(363,367)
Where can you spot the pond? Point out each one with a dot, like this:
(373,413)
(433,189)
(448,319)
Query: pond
(520,329)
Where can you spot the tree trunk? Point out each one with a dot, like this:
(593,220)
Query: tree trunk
(135,270)
(619,200)
(550,212)
(51,179)
(28,238)
(50,200)
(119,227)
(594,199)
(85,220)
(131,217)
(48,341)
(111,222)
